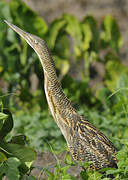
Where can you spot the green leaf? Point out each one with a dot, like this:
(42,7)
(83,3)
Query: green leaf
(3,169)
(94,175)
(87,36)
(68,177)
(19,139)
(1,106)
(25,154)
(12,170)
(83,175)
(5,11)
(69,160)
(114,171)
(90,34)
(85,164)
(26,177)
(50,175)
(7,125)
(62,65)
(23,55)
(3,149)
(111,33)
(53,32)
(62,46)
(4,14)
(114,69)
(103,95)
(3,116)
(2,157)
(122,84)
(27,19)
(73,28)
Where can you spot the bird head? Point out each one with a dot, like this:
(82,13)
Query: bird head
(34,41)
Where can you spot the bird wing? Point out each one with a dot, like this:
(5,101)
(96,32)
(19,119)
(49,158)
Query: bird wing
(89,144)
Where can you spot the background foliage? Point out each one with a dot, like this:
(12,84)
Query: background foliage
(76,45)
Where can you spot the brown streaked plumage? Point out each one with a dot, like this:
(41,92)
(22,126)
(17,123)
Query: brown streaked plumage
(85,142)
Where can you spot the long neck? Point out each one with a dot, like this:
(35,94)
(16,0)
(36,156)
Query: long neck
(58,103)
(48,63)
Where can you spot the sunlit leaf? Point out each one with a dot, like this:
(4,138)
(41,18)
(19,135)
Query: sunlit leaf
(90,34)
(69,160)
(2,157)
(3,116)
(114,69)
(53,31)
(87,37)
(62,65)
(73,28)
(111,33)
(26,18)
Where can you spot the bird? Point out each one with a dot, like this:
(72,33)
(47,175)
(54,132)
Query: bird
(85,142)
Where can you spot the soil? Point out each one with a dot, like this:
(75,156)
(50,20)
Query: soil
(49,160)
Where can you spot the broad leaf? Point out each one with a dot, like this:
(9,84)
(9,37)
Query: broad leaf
(19,139)
(12,170)
(111,33)
(2,157)
(114,69)
(4,14)
(25,154)
(26,18)
(53,32)
(90,34)
(74,30)
(8,124)
(62,65)
(3,117)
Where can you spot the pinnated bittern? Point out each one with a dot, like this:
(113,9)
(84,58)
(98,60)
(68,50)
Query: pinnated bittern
(85,141)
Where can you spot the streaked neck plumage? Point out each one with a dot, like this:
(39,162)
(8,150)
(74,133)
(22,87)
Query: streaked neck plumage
(59,104)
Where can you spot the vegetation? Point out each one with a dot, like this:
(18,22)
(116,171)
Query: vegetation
(76,45)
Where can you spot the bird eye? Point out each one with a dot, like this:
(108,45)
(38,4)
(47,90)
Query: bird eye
(35,41)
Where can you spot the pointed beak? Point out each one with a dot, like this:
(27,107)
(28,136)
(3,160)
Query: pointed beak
(22,33)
